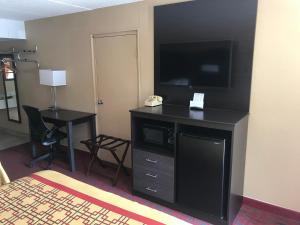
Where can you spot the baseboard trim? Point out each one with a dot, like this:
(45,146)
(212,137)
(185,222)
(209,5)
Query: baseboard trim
(272,208)
(14,132)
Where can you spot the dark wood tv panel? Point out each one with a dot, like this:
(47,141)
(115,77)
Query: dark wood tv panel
(203,173)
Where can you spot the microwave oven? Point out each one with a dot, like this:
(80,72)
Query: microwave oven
(158,135)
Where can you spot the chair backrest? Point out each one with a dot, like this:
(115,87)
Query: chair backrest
(37,126)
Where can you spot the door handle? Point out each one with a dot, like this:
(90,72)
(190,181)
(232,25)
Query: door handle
(99,102)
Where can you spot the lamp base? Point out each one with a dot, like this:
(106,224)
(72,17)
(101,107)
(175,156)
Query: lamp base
(53,108)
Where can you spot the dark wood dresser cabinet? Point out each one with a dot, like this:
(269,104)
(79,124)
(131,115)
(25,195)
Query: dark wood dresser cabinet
(192,161)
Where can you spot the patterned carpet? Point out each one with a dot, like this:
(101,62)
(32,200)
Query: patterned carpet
(14,160)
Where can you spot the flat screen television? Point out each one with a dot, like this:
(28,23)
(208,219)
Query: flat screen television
(200,64)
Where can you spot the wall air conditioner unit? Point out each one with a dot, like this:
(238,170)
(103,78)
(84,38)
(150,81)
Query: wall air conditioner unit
(12,30)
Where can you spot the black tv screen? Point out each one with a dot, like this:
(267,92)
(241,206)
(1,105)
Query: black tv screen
(201,64)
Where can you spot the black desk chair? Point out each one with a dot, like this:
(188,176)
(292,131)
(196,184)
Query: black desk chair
(41,134)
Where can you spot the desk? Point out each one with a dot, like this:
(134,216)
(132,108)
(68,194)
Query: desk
(70,118)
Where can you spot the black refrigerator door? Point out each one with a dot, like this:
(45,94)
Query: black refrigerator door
(200,174)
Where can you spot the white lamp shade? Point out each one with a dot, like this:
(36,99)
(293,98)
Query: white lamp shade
(53,78)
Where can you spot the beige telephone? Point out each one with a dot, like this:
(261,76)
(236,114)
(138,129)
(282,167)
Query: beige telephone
(153,100)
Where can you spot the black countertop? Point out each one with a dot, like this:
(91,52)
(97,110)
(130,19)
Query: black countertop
(183,112)
(65,115)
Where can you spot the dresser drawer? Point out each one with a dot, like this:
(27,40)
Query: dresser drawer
(156,188)
(153,174)
(143,174)
(153,162)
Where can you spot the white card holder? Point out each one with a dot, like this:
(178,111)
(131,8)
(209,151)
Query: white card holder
(198,101)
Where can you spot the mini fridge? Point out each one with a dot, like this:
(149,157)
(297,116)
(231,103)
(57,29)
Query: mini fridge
(201,174)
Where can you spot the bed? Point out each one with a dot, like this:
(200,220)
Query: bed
(49,197)
(3,176)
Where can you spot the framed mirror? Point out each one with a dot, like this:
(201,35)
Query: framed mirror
(9,98)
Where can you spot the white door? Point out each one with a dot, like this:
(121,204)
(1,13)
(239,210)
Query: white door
(116,69)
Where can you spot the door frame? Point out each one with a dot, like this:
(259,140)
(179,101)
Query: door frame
(95,81)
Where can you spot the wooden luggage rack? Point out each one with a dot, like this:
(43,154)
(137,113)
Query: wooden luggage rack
(111,144)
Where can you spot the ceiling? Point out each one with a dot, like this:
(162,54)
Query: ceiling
(35,9)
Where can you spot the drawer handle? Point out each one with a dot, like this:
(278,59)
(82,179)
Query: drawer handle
(150,189)
(151,175)
(151,161)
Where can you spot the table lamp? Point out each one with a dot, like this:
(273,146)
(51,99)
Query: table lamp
(53,78)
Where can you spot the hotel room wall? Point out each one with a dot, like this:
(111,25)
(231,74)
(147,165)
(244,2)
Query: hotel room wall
(273,156)
(64,42)
(273,151)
